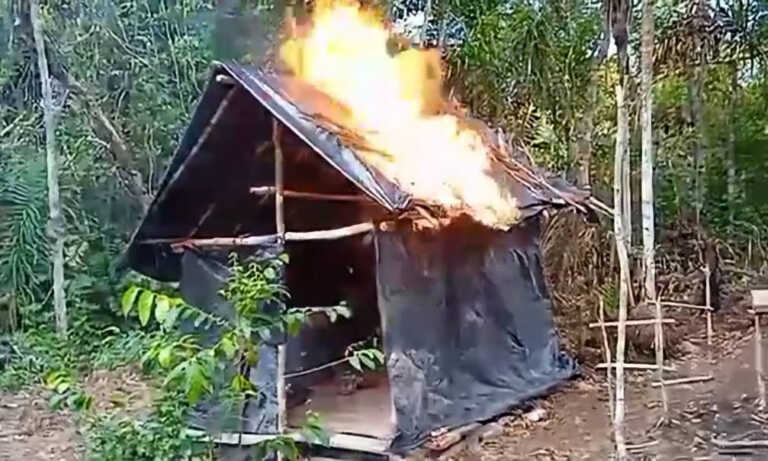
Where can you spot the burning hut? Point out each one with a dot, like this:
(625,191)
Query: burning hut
(440,254)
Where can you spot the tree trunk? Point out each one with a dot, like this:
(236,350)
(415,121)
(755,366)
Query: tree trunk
(618,15)
(730,160)
(699,188)
(55,226)
(619,192)
(646,90)
(586,125)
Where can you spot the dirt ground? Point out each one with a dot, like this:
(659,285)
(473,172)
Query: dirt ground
(31,431)
(575,424)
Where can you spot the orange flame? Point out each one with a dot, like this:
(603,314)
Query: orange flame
(393,101)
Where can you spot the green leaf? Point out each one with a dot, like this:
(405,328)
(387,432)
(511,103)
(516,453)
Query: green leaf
(162,307)
(129,297)
(269,273)
(366,360)
(284,257)
(145,306)
(165,356)
(355,362)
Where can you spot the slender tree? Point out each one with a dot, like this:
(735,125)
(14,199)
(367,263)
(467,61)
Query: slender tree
(55,224)
(646,91)
(618,17)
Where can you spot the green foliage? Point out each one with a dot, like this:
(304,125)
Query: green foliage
(65,392)
(160,436)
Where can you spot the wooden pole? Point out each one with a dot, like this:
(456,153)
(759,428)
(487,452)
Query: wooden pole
(282,416)
(708,296)
(607,348)
(631,323)
(659,338)
(759,363)
(268,190)
(279,182)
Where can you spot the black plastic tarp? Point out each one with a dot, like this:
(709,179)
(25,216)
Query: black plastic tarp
(226,150)
(467,324)
(204,274)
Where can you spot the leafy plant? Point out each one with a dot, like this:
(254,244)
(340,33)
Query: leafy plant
(258,297)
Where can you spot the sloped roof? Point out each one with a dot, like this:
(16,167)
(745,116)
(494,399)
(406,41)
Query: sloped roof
(200,196)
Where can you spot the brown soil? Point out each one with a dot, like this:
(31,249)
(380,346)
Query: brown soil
(31,431)
(577,422)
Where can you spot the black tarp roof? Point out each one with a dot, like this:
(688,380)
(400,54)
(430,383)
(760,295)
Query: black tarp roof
(204,192)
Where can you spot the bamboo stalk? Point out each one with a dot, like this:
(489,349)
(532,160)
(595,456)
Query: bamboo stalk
(659,337)
(635,366)
(759,363)
(607,348)
(631,323)
(269,190)
(688,380)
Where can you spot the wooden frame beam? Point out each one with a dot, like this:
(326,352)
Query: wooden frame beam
(269,190)
(255,240)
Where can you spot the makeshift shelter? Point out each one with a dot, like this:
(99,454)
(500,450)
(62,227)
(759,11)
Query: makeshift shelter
(463,309)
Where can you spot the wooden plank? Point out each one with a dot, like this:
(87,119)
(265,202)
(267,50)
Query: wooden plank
(279,181)
(636,366)
(631,323)
(341,441)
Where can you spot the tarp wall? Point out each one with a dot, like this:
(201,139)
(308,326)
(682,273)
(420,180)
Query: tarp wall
(467,325)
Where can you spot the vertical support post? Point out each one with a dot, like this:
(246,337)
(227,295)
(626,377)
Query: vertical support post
(708,296)
(759,363)
(659,338)
(282,416)
(607,348)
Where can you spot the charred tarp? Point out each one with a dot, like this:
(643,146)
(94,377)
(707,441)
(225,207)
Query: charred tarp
(465,313)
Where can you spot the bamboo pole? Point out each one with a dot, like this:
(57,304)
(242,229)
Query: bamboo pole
(607,348)
(269,190)
(254,240)
(634,366)
(282,416)
(687,380)
(659,338)
(684,305)
(631,323)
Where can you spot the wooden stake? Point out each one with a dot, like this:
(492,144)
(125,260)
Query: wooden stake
(659,338)
(607,348)
(759,363)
